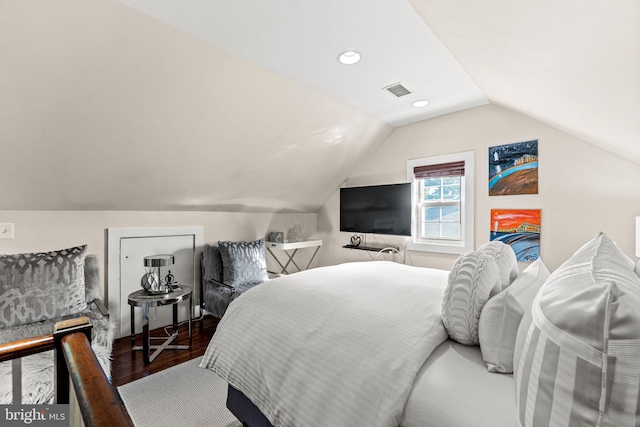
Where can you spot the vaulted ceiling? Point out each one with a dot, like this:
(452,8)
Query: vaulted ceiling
(242,105)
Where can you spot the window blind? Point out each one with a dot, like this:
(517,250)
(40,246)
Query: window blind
(439,170)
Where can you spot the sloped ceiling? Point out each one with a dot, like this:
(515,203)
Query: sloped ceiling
(573,64)
(104,107)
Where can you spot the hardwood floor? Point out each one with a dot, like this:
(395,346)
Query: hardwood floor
(127,365)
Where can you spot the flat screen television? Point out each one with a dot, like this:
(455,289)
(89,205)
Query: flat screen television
(377,209)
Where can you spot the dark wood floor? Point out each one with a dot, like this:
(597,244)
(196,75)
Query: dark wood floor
(127,365)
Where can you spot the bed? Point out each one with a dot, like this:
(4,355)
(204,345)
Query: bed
(453,377)
(384,344)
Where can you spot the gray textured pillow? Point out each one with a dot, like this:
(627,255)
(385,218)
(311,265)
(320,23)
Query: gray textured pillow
(505,257)
(470,282)
(40,286)
(501,316)
(243,262)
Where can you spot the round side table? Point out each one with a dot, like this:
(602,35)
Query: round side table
(144,300)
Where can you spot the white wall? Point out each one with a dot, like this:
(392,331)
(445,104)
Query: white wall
(582,189)
(41,231)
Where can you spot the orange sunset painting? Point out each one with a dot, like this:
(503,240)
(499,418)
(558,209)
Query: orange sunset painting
(519,228)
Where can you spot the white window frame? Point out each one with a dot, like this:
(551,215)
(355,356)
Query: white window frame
(467,217)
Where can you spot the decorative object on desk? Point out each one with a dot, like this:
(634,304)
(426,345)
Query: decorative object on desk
(170,280)
(356,240)
(295,233)
(151,280)
(276,237)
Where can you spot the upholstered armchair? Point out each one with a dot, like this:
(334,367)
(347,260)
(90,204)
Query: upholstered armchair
(230,269)
(37,290)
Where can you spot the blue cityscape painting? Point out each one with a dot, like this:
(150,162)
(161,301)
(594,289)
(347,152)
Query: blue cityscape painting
(513,169)
(519,228)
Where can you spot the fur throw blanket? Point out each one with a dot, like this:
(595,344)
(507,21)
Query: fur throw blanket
(38,369)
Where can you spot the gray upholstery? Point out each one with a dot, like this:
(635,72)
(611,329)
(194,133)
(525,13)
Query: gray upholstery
(211,263)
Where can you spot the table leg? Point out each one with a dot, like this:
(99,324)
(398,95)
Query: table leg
(175,318)
(190,317)
(133,329)
(145,335)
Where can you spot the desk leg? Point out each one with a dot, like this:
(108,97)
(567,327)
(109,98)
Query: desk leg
(291,260)
(283,270)
(312,257)
(145,335)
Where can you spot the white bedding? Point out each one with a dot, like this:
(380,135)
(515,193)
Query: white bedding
(333,346)
(455,389)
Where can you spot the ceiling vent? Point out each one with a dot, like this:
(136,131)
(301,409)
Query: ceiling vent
(397,89)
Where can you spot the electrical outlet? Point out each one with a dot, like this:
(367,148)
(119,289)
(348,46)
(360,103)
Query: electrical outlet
(6,230)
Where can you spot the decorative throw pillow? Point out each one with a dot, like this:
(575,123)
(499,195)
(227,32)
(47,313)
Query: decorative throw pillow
(470,282)
(501,316)
(577,356)
(40,286)
(212,263)
(243,262)
(506,259)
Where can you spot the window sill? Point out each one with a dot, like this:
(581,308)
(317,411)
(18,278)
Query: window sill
(443,248)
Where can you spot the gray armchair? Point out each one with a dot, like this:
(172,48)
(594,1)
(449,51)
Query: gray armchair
(228,270)
(37,371)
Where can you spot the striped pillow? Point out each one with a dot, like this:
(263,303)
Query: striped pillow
(470,282)
(502,314)
(577,357)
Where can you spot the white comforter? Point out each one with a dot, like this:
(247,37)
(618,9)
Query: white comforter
(333,346)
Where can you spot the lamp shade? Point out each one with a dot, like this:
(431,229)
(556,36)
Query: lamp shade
(158,260)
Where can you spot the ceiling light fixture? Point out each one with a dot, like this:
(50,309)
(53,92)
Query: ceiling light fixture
(420,103)
(349,57)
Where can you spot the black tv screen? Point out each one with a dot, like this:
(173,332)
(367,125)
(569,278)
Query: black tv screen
(378,209)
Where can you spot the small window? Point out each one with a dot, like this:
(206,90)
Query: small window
(442,203)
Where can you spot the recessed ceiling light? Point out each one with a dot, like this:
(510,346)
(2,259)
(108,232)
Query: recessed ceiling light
(349,57)
(420,103)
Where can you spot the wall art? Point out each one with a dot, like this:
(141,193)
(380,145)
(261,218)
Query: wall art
(513,169)
(519,228)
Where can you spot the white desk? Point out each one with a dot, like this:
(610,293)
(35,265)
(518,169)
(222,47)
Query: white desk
(294,246)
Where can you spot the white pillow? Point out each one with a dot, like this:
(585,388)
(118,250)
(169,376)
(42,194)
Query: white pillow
(502,314)
(577,356)
(470,282)
(506,259)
